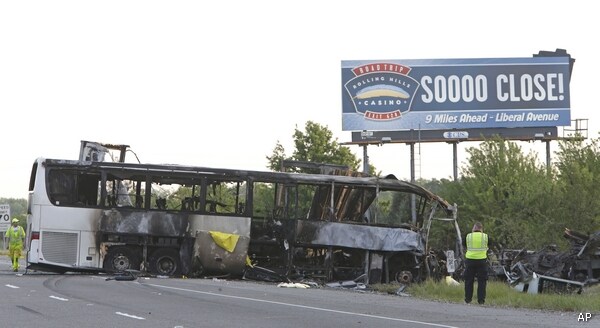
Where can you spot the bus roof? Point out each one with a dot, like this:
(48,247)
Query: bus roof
(387,183)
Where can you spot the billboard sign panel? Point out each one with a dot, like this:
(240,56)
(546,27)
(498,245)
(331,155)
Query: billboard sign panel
(433,94)
(413,136)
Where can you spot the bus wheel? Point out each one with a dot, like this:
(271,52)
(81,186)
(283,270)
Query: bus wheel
(404,277)
(121,258)
(165,262)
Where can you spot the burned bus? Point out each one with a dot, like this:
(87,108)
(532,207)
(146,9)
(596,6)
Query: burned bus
(173,220)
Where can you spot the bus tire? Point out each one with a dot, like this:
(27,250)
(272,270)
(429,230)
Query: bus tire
(165,262)
(121,258)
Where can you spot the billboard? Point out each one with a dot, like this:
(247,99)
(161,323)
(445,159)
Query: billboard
(434,94)
(450,136)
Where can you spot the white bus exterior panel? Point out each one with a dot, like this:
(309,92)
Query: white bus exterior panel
(69,218)
(66,236)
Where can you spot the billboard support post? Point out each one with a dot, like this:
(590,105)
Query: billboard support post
(413,210)
(365,159)
(548,156)
(455,160)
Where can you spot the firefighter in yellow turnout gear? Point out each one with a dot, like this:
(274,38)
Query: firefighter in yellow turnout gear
(16,239)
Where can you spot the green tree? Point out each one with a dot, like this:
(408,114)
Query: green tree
(434,185)
(314,144)
(277,157)
(578,165)
(18,207)
(509,192)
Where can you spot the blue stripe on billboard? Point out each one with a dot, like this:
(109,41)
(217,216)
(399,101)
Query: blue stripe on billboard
(455,93)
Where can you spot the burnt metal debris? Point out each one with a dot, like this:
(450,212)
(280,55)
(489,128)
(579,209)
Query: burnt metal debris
(549,270)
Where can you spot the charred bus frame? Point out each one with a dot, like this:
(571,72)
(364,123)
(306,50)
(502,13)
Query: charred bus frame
(175,219)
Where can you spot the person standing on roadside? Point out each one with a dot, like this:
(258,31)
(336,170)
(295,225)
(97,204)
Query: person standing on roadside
(16,240)
(476,263)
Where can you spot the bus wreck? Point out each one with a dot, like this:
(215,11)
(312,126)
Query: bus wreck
(173,220)
(551,270)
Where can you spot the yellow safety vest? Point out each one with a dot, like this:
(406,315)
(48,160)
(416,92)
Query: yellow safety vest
(15,236)
(477,246)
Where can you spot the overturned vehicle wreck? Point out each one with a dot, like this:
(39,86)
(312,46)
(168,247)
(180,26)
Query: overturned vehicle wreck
(177,220)
(549,270)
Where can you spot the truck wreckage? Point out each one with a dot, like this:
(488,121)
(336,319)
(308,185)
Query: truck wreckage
(175,220)
(551,271)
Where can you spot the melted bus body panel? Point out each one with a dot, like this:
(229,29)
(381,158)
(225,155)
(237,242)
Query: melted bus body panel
(184,220)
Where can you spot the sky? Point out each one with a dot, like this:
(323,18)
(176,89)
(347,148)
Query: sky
(219,83)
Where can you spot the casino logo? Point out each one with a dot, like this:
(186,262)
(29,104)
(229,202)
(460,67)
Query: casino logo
(382,91)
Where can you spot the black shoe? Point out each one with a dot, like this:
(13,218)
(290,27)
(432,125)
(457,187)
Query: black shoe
(468,302)
(481,302)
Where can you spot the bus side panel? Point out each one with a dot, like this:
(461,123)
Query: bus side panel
(37,198)
(69,218)
(208,254)
(89,254)
(152,223)
(33,225)
(72,246)
(358,236)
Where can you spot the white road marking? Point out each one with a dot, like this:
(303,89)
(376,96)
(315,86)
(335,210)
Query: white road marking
(11,286)
(307,307)
(130,316)
(58,298)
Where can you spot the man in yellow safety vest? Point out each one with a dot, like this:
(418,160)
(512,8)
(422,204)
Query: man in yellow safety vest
(16,239)
(476,263)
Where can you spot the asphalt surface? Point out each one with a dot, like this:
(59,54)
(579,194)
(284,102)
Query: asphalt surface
(39,299)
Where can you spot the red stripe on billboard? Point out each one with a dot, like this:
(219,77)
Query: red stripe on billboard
(381,67)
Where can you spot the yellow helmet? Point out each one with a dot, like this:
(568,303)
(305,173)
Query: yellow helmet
(15,220)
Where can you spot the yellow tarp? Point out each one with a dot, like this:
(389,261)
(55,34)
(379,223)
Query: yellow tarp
(227,241)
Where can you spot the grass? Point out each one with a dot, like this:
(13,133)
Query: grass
(500,294)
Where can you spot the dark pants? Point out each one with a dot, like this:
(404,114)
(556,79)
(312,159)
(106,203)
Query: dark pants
(475,268)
